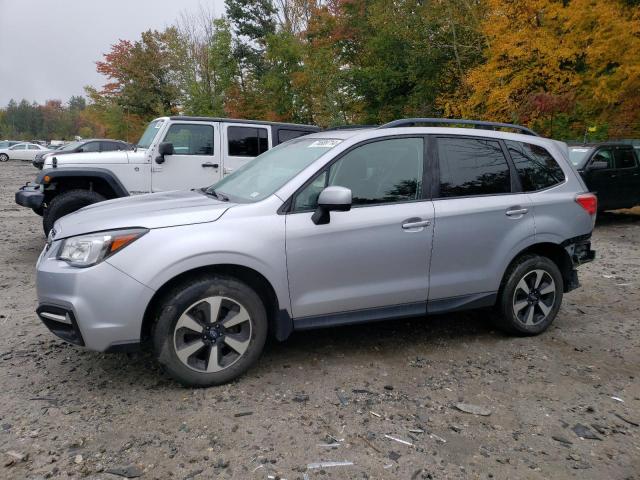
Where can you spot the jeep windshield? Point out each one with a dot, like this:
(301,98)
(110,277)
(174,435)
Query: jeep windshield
(149,134)
(578,156)
(264,175)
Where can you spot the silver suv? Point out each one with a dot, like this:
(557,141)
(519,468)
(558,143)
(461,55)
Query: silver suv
(333,228)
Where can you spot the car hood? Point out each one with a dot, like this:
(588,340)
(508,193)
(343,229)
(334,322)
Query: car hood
(154,210)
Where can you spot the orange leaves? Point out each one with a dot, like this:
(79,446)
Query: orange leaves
(579,57)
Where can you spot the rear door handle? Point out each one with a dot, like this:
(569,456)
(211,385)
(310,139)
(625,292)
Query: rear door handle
(416,224)
(513,211)
(210,165)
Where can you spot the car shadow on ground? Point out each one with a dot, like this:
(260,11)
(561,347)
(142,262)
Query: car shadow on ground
(618,217)
(390,341)
(418,333)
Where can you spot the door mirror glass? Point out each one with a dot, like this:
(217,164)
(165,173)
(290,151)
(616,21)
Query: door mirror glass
(165,148)
(336,199)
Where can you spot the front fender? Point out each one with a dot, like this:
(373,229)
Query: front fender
(165,253)
(51,175)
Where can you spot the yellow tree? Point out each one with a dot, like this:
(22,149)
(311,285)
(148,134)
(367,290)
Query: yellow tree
(588,50)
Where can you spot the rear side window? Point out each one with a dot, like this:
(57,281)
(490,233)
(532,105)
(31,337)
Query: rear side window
(247,141)
(472,166)
(536,167)
(33,147)
(285,135)
(625,158)
(190,139)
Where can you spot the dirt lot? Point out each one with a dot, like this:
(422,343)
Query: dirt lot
(67,412)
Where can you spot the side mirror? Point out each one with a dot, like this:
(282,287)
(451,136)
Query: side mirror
(165,148)
(337,199)
(598,165)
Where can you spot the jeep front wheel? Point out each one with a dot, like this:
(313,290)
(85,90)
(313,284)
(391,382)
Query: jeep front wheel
(66,203)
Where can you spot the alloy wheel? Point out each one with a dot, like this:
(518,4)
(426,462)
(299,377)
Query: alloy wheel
(534,297)
(212,334)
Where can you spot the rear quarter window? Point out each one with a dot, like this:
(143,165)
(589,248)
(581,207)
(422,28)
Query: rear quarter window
(285,135)
(625,158)
(536,167)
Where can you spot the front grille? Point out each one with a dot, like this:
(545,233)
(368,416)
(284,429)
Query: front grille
(61,322)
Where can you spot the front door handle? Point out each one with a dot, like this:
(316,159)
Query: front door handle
(415,223)
(513,211)
(210,165)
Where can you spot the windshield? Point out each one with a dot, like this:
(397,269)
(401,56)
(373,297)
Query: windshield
(264,175)
(150,133)
(578,155)
(69,146)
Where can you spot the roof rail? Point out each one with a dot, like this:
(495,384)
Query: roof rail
(349,127)
(411,122)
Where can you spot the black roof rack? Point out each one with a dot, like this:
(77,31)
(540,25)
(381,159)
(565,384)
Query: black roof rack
(411,122)
(349,127)
(190,118)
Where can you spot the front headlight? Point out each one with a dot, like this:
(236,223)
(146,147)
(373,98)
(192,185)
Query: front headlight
(87,250)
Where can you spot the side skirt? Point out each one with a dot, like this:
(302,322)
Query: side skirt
(462,302)
(418,309)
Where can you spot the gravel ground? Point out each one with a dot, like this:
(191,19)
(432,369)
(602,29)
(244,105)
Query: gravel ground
(335,395)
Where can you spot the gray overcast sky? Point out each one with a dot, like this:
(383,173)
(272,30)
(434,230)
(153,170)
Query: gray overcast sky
(48,48)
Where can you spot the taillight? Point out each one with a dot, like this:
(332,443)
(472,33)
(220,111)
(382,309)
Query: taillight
(589,202)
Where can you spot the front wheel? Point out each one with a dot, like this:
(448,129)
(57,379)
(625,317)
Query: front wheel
(4,157)
(66,203)
(209,331)
(530,296)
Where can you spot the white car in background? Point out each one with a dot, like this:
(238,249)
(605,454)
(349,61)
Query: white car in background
(22,151)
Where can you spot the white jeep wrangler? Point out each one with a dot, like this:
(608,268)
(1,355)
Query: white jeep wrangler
(174,153)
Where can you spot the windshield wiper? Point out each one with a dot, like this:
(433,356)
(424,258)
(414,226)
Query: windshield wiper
(212,193)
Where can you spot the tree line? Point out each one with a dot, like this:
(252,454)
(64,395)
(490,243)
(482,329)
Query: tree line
(561,67)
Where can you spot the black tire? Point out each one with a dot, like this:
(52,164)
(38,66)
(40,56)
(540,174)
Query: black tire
(522,313)
(190,296)
(4,157)
(38,211)
(66,203)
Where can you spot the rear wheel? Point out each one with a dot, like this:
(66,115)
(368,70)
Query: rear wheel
(531,295)
(66,203)
(210,331)
(4,157)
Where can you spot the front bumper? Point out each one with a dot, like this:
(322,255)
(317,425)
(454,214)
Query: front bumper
(30,196)
(99,307)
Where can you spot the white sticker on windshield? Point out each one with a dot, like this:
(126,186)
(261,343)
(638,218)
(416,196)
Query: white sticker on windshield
(579,149)
(254,194)
(328,143)
(158,125)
